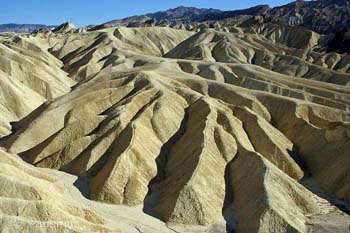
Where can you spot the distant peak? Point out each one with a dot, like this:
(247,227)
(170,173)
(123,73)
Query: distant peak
(65,27)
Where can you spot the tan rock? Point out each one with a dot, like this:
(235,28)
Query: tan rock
(201,130)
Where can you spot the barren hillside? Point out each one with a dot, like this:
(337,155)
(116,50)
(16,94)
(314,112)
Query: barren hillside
(164,130)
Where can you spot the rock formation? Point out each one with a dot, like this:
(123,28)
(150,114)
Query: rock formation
(65,27)
(167,130)
(29,76)
(34,201)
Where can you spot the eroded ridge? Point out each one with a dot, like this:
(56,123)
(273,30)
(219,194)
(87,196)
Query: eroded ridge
(223,133)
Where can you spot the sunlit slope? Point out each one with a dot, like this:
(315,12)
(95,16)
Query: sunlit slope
(29,76)
(193,127)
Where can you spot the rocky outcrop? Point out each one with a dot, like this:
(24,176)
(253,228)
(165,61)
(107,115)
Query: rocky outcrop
(64,28)
(322,16)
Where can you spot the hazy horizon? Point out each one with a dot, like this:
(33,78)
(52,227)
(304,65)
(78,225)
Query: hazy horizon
(87,12)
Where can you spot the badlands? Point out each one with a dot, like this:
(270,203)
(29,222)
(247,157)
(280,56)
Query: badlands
(243,128)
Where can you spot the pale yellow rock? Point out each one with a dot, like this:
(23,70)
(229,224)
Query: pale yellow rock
(211,45)
(31,200)
(203,131)
(272,202)
(29,76)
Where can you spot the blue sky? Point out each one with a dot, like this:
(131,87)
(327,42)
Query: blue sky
(85,12)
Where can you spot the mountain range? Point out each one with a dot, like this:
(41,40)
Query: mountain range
(322,16)
(23,28)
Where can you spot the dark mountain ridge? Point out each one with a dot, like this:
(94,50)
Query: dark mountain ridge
(322,16)
(22,28)
(182,13)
